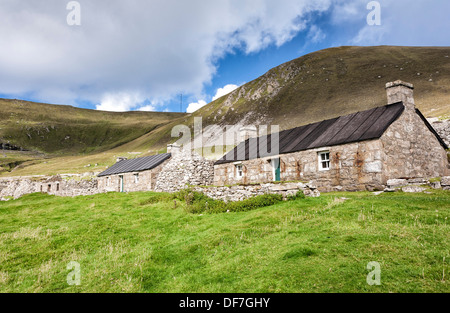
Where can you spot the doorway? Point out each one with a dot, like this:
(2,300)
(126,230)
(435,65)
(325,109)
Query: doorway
(276,168)
(121,189)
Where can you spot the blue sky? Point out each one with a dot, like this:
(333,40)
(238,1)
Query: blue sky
(141,55)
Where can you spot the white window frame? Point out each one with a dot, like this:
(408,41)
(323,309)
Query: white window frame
(136,178)
(108,181)
(239,172)
(324,160)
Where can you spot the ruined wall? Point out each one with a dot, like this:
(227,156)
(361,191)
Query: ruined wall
(185,168)
(356,166)
(411,150)
(146,181)
(16,187)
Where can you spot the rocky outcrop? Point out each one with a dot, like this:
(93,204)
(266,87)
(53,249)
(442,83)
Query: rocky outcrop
(185,169)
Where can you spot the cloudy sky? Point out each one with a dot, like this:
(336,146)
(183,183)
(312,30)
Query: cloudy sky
(143,54)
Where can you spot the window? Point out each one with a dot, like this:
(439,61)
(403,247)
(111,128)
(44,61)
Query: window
(324,161)
(239,171)
(108,181)
(136,178)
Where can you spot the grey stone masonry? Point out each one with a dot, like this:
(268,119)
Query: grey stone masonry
(443,129)
(239,193)
(67,186)
(185,168)
(417,184)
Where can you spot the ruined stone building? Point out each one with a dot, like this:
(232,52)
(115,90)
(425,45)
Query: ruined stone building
(360,151)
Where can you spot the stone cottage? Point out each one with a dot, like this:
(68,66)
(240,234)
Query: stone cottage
(133,175)
(360,151)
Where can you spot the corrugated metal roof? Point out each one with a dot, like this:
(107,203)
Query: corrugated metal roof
(136,165)
(361,126)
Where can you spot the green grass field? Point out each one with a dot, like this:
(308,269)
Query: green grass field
(128,243)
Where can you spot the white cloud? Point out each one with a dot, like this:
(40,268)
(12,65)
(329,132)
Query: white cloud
(196,106)
(224,91)
(158,48)
(147,108)
(316,34)
(120,102)
(345,11)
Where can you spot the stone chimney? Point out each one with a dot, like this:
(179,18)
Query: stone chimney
(120,159)
(174,149)
(400,91)
(248,132)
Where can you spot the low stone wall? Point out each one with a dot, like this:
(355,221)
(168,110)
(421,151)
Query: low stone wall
(239,193)
(68,186)
(415,185)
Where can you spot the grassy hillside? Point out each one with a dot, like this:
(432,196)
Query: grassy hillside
(318,86)
(57,129)
(335,82)
(64,139)
(141,243)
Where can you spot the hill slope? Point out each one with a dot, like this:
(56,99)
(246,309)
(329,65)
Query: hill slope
(68,130)
(337,81)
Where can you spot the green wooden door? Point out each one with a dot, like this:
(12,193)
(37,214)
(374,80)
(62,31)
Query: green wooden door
(277,169)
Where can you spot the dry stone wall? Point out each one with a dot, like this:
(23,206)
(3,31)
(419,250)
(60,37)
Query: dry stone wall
(185,168)
(68,186)
(239,193)
(417,184)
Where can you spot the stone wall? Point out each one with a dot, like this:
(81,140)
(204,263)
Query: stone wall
(417,184)
(356,166)
(240,192)
(185,168)
(442,128)
(411,150)
(68,186)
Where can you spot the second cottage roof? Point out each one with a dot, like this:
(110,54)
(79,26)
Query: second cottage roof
(136,165)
